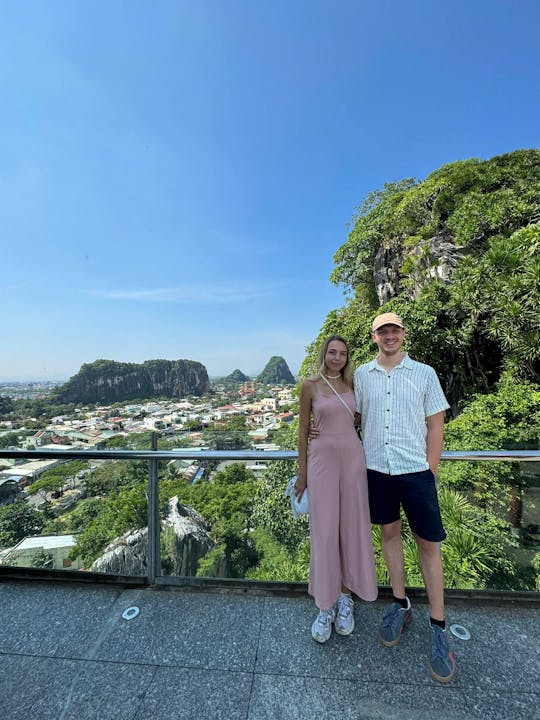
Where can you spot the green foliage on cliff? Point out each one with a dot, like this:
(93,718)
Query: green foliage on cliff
(108,381)
(276,372)
(124,509)
(505,419)
(226,503)
(458,256)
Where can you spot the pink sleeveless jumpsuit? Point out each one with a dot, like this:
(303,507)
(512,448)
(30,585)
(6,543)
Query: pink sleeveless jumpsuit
(340,525)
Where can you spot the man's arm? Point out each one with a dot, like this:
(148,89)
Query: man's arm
(434,440)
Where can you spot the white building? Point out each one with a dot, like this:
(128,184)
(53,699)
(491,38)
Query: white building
(57,547)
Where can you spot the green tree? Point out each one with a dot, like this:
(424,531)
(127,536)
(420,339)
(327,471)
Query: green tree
(83,514)
(536,566)
(56,478)
(17,521)
(276,563)
(115,474)
(45,485)
(6,406)
(286,436)
(42,559)
(226,503)
(272,510)
(505,419)
(9,439)
(125,509)
(230,435)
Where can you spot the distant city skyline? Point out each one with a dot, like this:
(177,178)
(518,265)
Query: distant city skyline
(177,177)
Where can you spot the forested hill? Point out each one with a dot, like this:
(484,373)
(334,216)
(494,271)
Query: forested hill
(276,371)
(457,255)
(108,381)
(237,376)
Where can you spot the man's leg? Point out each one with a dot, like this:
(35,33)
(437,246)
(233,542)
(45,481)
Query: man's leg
(392,548)
(432,571)
(398,614)
(441,658)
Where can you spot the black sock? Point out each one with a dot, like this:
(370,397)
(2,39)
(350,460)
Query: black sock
(440,623)
(400,601)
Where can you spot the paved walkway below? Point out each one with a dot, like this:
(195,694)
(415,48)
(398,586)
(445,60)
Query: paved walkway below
(66,653)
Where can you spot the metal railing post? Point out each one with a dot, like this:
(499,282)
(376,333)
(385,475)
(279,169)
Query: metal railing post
(154,525)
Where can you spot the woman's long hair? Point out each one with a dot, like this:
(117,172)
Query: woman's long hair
(346,371)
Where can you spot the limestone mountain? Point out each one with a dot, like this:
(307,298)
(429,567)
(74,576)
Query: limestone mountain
(108,381)
(237,376)
(276,372)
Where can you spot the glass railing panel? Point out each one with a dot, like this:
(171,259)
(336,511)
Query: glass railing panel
(223,514)
(231,520)
(75,514)
(492,516)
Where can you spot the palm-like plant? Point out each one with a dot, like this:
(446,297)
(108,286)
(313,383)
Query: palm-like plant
(475,547)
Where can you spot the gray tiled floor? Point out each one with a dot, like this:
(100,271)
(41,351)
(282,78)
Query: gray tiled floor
(66,654)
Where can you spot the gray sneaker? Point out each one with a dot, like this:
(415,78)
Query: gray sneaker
(322,626)
(345,618)
(394,622)
(441,658)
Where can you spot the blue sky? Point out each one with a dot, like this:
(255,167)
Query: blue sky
(177,176)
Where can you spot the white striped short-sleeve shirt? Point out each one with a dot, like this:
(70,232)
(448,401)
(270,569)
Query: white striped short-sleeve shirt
(394,407)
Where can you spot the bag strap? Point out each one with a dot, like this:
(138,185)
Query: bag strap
(337,395)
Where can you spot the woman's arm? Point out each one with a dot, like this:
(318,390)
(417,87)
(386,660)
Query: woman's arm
(306,393)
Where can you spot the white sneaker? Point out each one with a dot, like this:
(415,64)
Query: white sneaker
(322,627)
(345,616)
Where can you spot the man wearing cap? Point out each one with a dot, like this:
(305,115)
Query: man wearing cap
(402,406)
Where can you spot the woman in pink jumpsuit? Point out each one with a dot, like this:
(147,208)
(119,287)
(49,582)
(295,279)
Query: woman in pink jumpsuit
(333,466)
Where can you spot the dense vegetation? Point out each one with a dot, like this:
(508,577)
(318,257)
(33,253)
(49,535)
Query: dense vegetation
(457,255)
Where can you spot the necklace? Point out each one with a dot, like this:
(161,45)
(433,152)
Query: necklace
(332,377)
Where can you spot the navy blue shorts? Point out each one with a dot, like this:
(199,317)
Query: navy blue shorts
(416,493)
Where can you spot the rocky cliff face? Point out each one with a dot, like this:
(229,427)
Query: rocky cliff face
(108,381)
(184,542)
(185,539)
(428,260)
(126,555)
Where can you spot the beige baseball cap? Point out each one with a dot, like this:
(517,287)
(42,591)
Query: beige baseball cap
(386,319)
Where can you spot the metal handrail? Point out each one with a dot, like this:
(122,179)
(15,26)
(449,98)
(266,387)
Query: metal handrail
(466,455)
